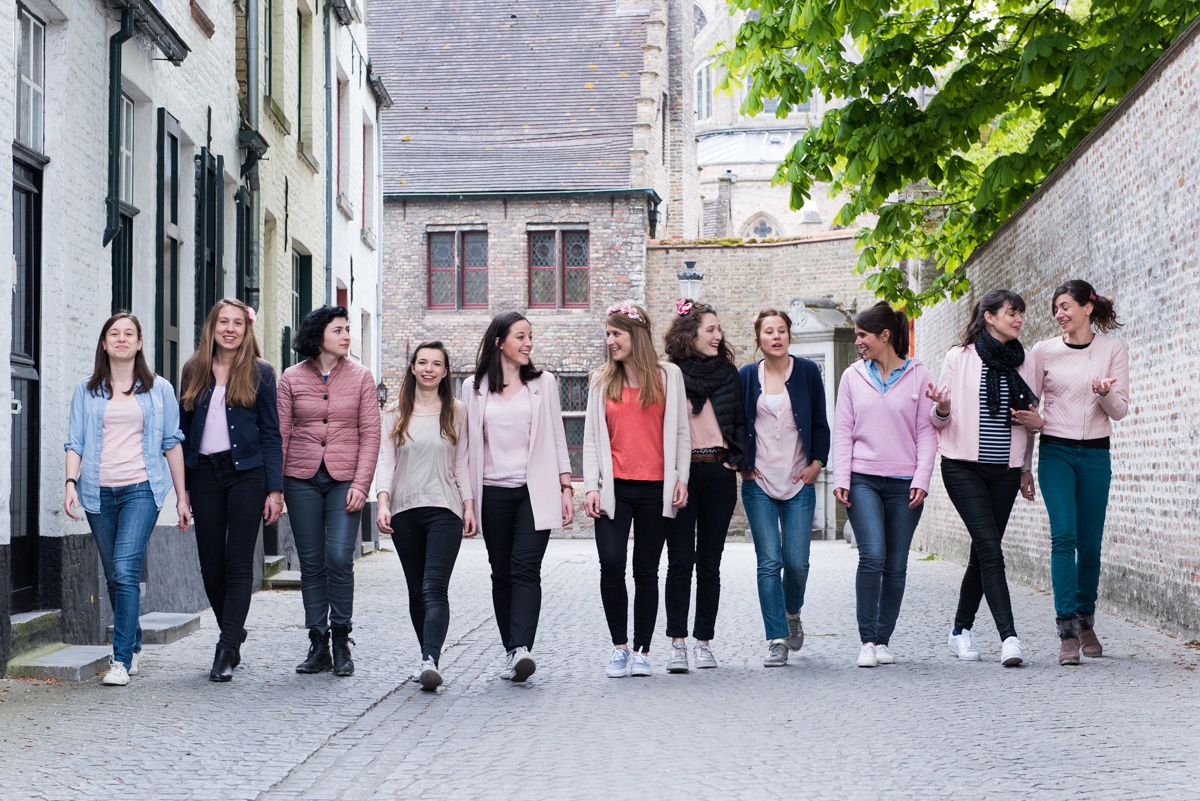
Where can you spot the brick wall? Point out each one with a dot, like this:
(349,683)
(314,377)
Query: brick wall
(1124,215)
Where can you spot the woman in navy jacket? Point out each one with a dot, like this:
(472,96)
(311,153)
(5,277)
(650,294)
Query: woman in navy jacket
(787,444)
(234,458)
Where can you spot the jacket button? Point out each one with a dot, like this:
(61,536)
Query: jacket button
(324,419)
(324,397)
(322,443)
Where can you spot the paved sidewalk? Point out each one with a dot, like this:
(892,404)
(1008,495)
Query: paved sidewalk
(928,727)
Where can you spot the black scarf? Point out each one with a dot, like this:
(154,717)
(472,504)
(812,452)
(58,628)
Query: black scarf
(701,378)
(1003,359)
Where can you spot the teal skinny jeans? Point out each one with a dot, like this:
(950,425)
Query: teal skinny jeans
(1075,485)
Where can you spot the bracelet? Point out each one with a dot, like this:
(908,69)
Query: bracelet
(74,481)
(567,488)
(272,500)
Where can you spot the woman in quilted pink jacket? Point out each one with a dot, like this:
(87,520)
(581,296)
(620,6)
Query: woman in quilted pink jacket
(329,421)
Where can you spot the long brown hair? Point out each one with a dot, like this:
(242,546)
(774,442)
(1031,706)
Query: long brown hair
(241,388)
(680,339)
(101,380)
(643,361)
(487,360)
(408,395)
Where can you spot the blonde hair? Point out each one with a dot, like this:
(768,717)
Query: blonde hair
(241,388)
(642,361)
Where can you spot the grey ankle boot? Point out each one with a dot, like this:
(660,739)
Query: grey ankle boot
(1068,635)
(1087,637)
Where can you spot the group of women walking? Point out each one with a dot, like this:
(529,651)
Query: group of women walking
(663,442)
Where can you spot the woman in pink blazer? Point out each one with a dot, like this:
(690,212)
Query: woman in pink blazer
(521,474)
(986,455)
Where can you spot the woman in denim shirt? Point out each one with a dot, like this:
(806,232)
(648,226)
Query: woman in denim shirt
(234,458)
(124,420)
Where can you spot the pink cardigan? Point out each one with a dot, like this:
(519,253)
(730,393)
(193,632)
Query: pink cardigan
(335,422)
(1071,409)
(548,457)
(884,435)
(958,436)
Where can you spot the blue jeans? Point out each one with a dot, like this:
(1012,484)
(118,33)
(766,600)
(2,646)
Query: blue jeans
(1075,485)
(883,526)
(782,532)
(122,530)
(326,536)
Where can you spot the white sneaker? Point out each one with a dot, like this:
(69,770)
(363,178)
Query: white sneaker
(117,675)
(1011,652)
(640,664)
(677,662)
(883,656)
(963,645)
(618,664)
(866,656)
(507,673)
(523,665)
(428,675)
(134,667)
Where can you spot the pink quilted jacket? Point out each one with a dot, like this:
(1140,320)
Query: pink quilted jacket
(336,421)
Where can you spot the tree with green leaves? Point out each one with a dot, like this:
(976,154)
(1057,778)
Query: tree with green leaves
(947,114)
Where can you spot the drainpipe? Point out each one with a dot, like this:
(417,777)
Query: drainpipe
(328,157)
(113,201)
(252,104)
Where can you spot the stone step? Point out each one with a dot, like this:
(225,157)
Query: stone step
(33,631)
(272,565)
(283,580)
(62,662)
(160,628)
(368,547)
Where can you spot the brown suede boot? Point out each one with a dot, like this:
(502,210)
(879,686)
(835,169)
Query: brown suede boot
(1068,634)
(1088,641)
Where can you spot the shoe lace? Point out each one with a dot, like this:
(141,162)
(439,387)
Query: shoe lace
(702,648)
(619,655)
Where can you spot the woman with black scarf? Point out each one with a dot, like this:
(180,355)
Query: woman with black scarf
(694,341)
(986,456)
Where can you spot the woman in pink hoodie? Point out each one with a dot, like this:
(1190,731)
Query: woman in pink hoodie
(884,446)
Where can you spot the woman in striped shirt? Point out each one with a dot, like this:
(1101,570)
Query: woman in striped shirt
(986,456)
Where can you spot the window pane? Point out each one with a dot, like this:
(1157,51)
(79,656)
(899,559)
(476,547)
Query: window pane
(441,251)
(575,246)
(541,287)
(541,250)
(475,250)
(441,288)
(574,432)
(575,287)
(39,57)
(572,392)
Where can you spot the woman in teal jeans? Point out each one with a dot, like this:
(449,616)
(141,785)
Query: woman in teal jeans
(787,436)
(124,421)
(1085,386)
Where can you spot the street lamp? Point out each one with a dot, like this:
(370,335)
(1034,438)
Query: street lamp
(689,281)
(381,393)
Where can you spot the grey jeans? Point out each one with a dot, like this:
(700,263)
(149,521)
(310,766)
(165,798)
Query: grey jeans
(326,536)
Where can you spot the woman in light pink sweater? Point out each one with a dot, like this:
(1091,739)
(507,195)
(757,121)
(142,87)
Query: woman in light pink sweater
(884,446)
(1085,386)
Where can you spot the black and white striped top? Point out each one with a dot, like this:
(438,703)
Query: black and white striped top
(995,435)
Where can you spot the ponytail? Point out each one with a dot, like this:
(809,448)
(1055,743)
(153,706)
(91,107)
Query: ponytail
(991,303)
(1104,315)
(882,317)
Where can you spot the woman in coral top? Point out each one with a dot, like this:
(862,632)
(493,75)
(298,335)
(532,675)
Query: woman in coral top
(329,421)
(1085,386)
(884,446)
(637,457)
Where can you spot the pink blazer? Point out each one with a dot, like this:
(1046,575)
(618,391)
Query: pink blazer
(548,457)
(958,436)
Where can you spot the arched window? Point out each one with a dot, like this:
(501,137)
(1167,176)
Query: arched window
(699,18)
(761,226)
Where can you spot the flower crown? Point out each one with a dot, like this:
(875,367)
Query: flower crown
(251,315)
(627,309)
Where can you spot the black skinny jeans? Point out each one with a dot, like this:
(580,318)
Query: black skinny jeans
(515,550)
(228,509)
(427,540)
(984,495)
(697,539)
(638,503)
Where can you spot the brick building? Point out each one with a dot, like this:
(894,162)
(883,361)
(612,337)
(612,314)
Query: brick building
(520,174)
(1121,212)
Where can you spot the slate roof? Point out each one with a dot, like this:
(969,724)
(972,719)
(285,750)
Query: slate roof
(506,95)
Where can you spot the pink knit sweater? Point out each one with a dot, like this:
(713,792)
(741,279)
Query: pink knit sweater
(884,435)
(1071,409)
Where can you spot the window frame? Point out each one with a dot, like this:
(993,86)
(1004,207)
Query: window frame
(568,383)
(35,115)
(127,149)
(559,268)
(704,92)
(458,269)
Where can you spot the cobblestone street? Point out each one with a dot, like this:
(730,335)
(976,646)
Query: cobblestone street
(927,727)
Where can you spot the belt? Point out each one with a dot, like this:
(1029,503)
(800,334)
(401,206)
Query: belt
(710,455)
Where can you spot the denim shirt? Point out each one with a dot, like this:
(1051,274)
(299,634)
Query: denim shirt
(884,384)
(160,433)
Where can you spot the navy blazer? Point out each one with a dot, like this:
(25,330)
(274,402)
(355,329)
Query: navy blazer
(253,433)
(807,394)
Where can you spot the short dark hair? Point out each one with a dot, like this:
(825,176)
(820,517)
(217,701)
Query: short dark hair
(308,339)
(487,360)
(882,317)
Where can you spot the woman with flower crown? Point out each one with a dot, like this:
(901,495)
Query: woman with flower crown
(234,458)
(787,443)
(636,462)
(695,343)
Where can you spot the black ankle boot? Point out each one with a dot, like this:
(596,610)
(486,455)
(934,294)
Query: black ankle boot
(222,669)
(237,651)
(343,665)
(318,659)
